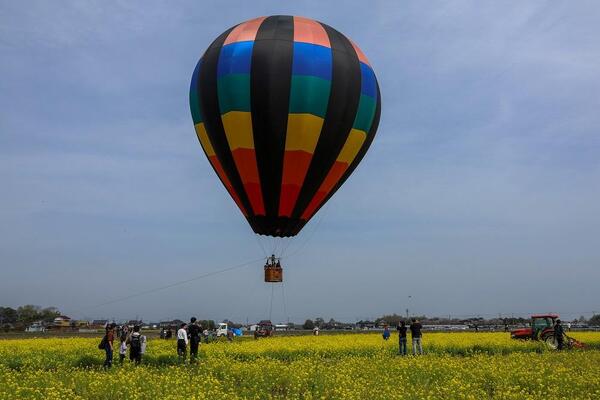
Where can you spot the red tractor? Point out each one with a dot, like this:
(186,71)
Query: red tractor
(542,328)
(264,329)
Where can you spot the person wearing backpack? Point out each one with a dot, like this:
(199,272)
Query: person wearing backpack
(135,345)
(107,344)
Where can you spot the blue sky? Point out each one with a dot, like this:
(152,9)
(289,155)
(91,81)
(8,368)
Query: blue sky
(479,194)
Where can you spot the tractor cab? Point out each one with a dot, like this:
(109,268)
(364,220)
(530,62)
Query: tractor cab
(542,325)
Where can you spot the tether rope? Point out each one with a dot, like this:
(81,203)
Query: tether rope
(153,290)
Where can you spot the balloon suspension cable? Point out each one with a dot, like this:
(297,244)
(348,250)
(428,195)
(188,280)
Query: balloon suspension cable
(310,234)
(260,243)
(271,304)
(283,301)
(171,285)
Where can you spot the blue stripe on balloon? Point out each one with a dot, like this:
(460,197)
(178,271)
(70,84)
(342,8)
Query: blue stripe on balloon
(235,58)
(368,85)
(313,60)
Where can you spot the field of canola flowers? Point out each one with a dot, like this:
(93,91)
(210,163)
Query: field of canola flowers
(348,366)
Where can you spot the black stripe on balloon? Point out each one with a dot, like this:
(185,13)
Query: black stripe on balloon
(270,77)
(208,95)
(361,153)
(339,118)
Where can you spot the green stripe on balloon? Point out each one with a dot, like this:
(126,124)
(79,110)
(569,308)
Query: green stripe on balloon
(309,95)
(234,93)
(365,113)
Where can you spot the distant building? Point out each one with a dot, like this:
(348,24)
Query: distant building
(61,322)
(98,324)
(365,325)
(171,324)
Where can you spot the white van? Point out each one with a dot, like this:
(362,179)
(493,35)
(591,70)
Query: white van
(221,329)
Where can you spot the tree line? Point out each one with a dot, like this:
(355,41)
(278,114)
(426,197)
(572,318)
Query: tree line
(23,316)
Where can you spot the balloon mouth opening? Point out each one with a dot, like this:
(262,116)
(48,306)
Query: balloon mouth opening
(276,226)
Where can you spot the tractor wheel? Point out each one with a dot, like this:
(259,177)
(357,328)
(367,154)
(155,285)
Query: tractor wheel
(551,342)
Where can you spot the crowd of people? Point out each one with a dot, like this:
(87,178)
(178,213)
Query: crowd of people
(188,335)
(132,340)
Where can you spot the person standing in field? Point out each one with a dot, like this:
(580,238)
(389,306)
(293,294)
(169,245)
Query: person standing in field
(122,350)
(109,338)
(402,338)
(386,332)
(144,344)
(194,332)
(135,345)
(123,332)
(182,342)
(559,334)
(415,332)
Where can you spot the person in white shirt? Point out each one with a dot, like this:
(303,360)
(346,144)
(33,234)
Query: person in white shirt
(122,351)
(182,342)
(144,342)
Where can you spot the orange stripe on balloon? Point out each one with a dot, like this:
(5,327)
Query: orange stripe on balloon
(221,173)
(246,31)
(309,31)
(360,54)
(245,161)
(295,166)
(335,174)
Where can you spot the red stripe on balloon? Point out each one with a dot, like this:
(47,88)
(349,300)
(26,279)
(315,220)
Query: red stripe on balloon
(334,175)
(295,165)
(221,173)
(245,161)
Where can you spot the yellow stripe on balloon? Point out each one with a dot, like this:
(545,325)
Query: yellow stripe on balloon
(238,129)
(303,131)
(204,140)
(354,142)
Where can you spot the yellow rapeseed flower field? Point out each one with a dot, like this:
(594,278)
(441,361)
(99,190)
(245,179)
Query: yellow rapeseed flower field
(345,366)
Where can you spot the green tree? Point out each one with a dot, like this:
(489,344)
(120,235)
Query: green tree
(595,320)
(308,324)
(8,315)
(28,314)
(48,314)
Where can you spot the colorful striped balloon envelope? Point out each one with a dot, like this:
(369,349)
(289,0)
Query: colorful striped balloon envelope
(285,108)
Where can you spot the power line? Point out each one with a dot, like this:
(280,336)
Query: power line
(156,289)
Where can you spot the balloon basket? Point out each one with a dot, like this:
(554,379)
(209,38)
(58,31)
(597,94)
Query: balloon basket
(273,273)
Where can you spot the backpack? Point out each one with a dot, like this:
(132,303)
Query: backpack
(136,342)
(103,343)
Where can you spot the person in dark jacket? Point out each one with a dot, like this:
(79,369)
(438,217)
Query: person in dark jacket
(135,345)
(194,334)
(559,334)
(415,332)
(402,338)
(108,347)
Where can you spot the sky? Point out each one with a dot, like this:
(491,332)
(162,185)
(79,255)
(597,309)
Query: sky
(479,195)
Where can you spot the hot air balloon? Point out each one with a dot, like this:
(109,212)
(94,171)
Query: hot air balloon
(285,108)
